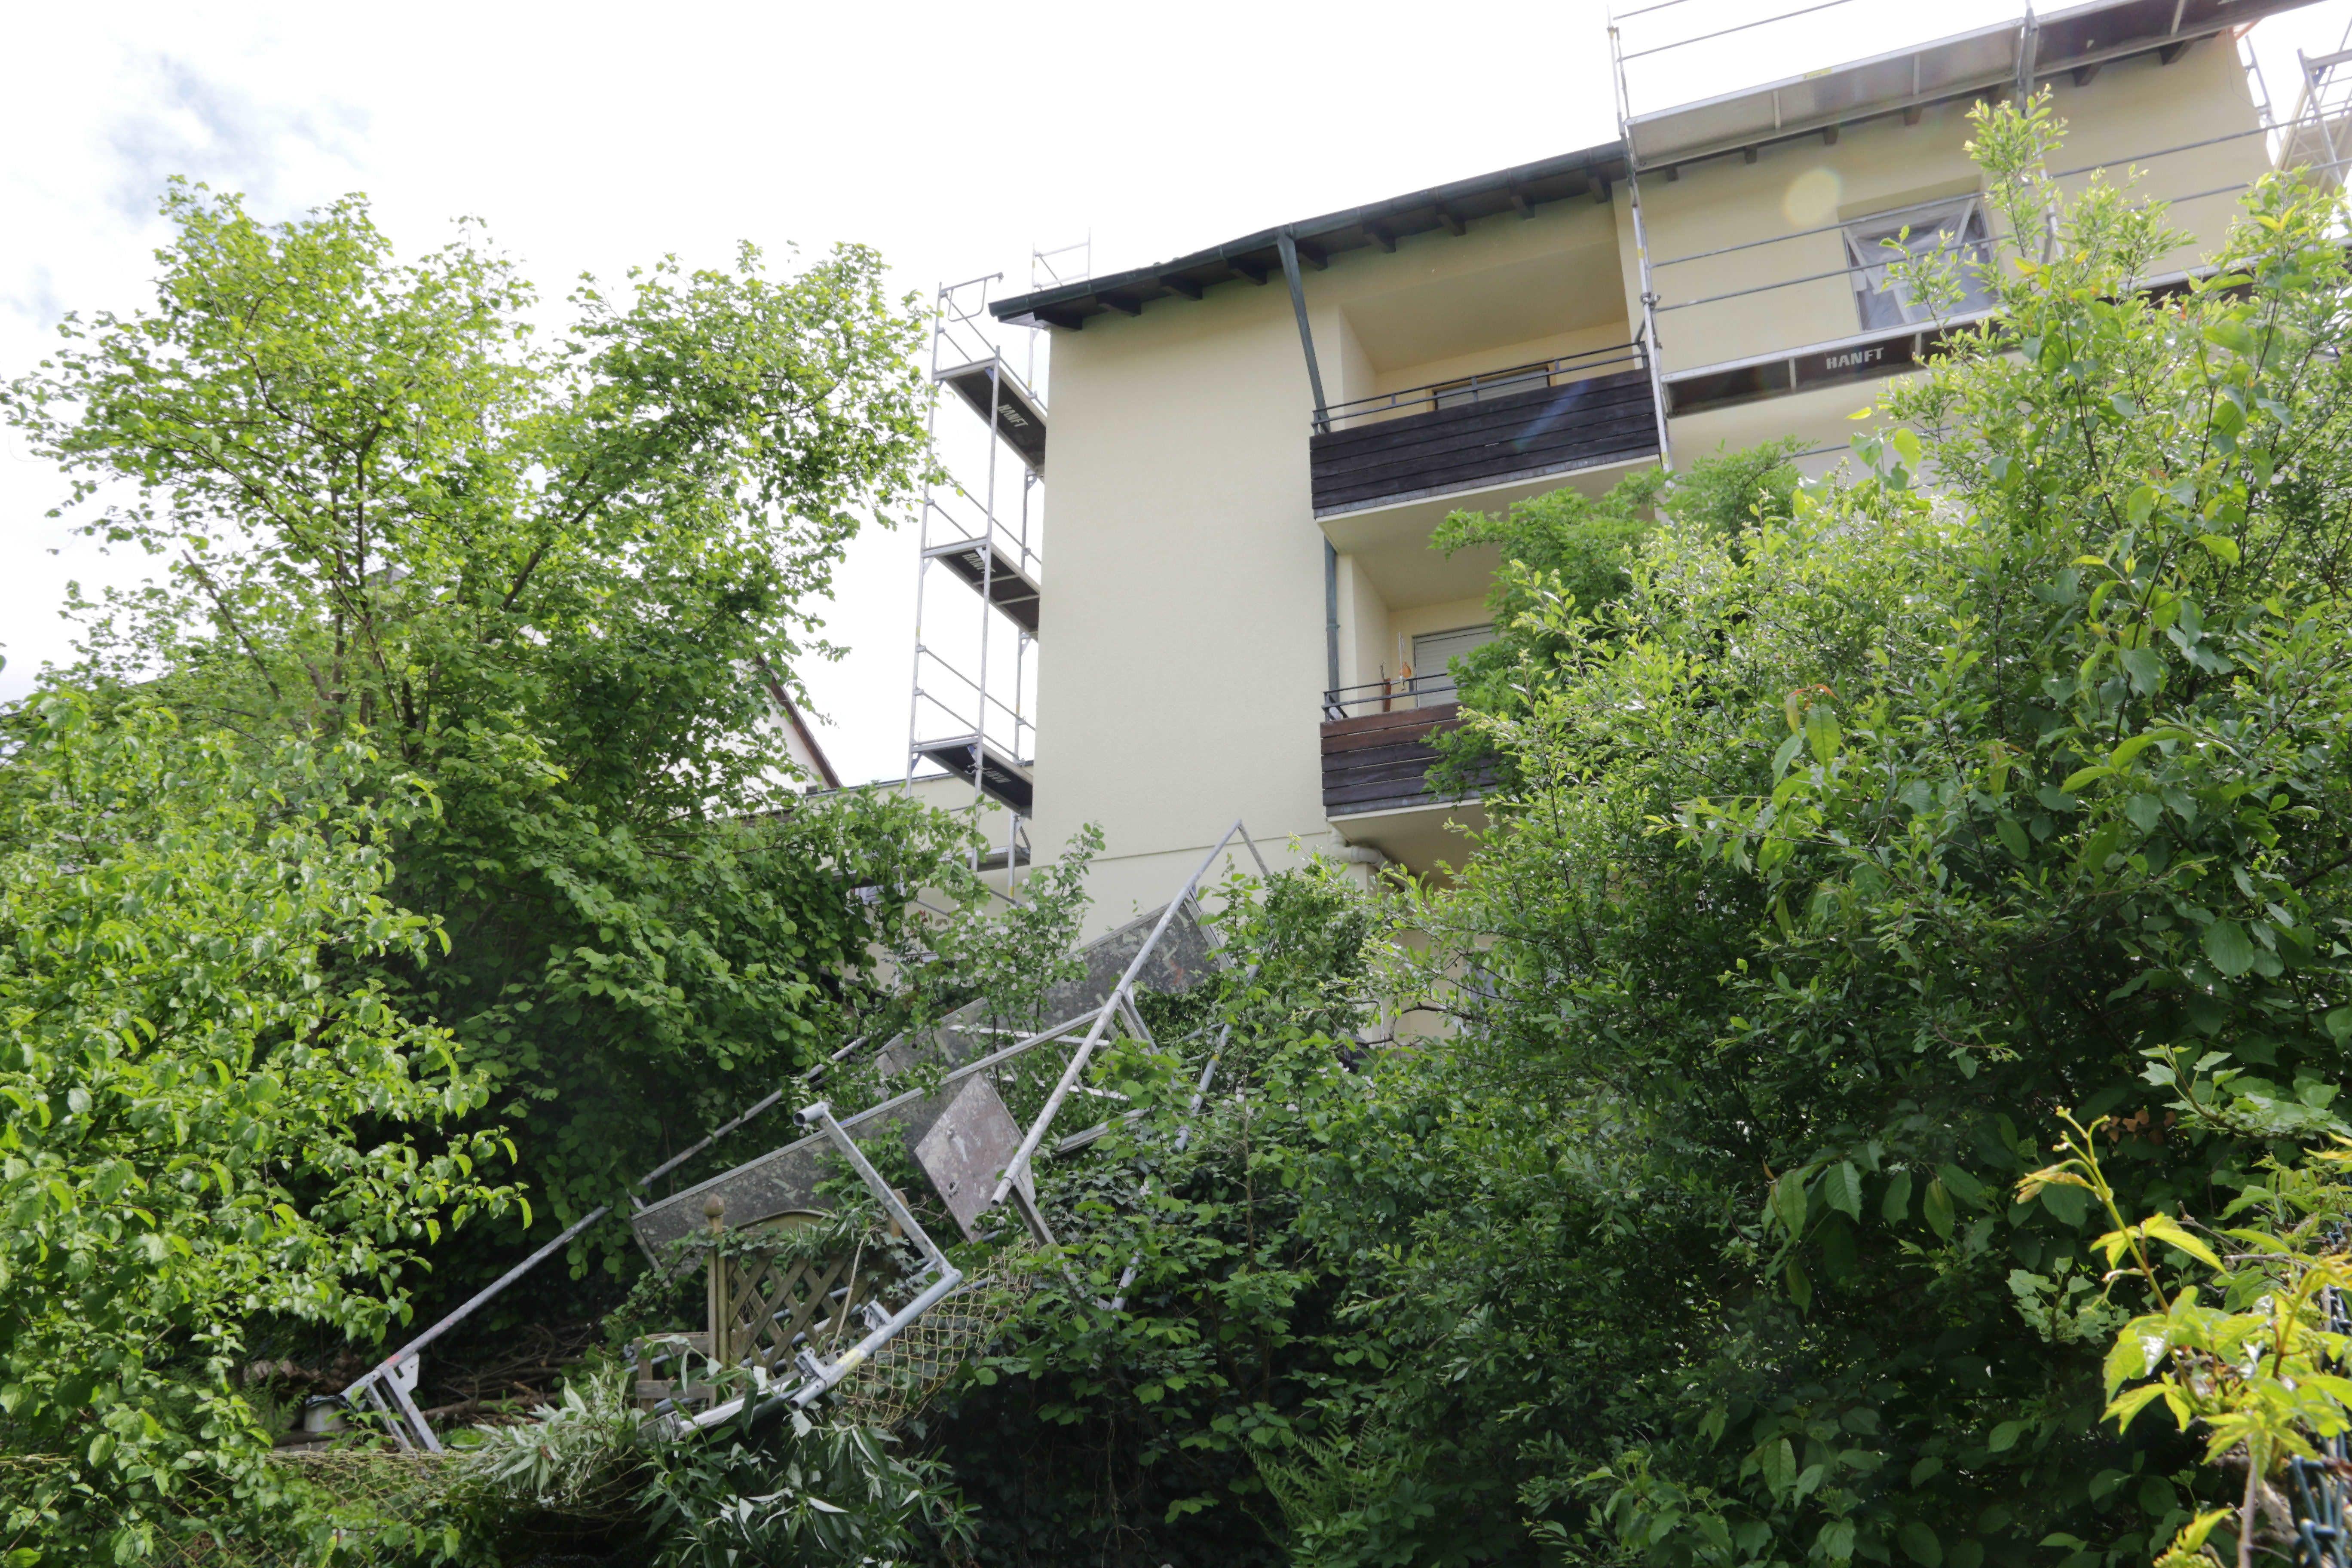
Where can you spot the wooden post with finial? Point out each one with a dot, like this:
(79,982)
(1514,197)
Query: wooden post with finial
(722,1353)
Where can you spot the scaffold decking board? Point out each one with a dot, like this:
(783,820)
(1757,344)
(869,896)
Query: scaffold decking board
(1008,587)
(1020,417)
(1001,777)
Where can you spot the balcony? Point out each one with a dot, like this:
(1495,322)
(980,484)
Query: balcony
(1377,745)
(1588,410)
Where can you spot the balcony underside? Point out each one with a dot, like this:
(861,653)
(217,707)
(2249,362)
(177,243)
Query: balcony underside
(1600,420)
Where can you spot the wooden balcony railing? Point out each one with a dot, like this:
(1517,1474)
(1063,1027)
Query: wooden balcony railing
(1375,760)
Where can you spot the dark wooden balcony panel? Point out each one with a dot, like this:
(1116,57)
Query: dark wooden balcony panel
(1605,427)
(1381,762)
(1602,419)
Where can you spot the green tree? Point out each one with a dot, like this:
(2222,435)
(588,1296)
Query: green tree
(1844,849)
(562,585)
(208,1118)
(1567,547)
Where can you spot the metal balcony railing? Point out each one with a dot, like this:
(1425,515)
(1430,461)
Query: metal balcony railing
(1551,417)
(1399,694)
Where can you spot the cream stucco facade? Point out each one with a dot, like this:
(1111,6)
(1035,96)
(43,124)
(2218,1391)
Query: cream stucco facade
(1207,592)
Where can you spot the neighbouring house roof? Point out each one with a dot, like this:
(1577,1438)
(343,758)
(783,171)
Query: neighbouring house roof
(1257,256)
(800,740)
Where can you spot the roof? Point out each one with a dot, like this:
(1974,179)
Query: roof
(2077,38)
(1257,256)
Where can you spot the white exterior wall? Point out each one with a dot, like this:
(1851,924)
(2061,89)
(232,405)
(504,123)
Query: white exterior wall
(1181,650)
(1183,653)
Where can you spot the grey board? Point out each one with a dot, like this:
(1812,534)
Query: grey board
(968,1147)
(786,1178)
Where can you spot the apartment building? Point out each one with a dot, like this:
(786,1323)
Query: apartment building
(1251,444)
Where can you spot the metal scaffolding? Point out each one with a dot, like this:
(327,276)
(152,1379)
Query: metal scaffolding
(2006,55)
(970,708)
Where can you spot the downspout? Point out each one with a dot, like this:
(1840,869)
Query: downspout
(1331,620)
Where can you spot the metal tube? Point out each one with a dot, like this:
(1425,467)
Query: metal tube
(1742,27)
(1809,232)
(1331,612)
(1651,355)
(923,538)
(820,1117)
(987,584)
(1022,1156)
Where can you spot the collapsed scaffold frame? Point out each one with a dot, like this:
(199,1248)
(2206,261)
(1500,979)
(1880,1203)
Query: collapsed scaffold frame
(389,1387)
(818,1374)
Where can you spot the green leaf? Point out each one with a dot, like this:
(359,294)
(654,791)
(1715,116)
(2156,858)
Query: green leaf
(1963,1186)
(1842,1189)
(2004,1436)
(2130,1404)
(2221,548)
(1919,1544)
(2012,836)
(1789,1205)
(2165,1228)
(1823,734)
(2227,945)
(1938,1208)
(2070,1206)
(1897,1206)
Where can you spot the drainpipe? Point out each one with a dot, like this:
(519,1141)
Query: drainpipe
(1331,617)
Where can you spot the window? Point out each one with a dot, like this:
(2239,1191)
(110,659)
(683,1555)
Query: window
(1955,229)
(1432,652)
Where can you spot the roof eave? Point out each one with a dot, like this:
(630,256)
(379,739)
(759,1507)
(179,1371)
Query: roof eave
(1256,257)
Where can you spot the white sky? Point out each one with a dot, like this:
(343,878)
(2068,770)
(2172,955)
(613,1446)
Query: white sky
(951,137)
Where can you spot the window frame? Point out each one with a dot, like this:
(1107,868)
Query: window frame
(1963,229)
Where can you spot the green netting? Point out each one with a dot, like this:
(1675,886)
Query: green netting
(904,1374)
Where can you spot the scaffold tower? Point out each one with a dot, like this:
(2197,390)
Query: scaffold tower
(972,711)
